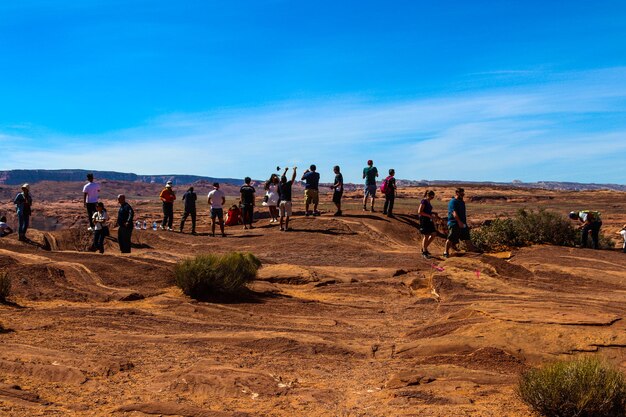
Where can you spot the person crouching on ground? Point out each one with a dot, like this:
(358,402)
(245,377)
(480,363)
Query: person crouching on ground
(5,230)
(247,202)
(216,200)
(457,222)
(338,190)
(390,193)
(427,222)
(100,221)
(167,196)
(311,190)
(591,222)
(125,216)
(623,233)
(285,205)
(23,206)
(189,198)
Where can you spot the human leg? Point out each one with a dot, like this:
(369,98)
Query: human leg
(193,222)
(595,234)
(584,233)
(91,209)
(182,220)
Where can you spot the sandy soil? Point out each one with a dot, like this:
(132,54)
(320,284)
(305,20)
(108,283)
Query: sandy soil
(345,318)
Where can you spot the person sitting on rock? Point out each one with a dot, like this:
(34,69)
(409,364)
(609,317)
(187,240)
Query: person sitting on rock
(590,222)
(4,227)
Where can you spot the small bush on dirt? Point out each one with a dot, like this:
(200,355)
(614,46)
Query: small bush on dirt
(526,228)
(210,275)
(584,387)
(5,286)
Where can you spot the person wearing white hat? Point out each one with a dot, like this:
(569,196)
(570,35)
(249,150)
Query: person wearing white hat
(167,196)
(23,202)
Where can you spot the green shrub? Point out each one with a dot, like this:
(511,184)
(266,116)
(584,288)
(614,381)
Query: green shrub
(213,275)
(526,228)
(5,286)
(584,387)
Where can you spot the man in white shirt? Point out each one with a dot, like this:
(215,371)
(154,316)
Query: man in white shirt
(91,192)
(216,200)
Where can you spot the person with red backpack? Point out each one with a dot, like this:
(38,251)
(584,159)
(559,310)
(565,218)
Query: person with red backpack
(388,187)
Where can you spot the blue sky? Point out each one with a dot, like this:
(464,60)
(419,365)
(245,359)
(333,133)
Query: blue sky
(477,90)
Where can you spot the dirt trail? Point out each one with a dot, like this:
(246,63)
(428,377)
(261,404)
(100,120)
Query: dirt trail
(348,321)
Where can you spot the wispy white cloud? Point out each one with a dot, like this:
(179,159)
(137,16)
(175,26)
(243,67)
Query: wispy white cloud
(544,131)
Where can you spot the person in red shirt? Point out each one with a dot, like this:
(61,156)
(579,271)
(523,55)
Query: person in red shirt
(167,196)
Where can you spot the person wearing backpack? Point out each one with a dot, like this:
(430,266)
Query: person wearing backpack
(369,174)
(388,187)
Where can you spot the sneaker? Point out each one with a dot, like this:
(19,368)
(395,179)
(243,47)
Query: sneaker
(90,229)
(169,229)
(193,232)
(338,213)
(317,213)
(364,208)
(372,210)
(245,227)
(223,234)
(446,255)
(307,214)
(161,227)
(282,229)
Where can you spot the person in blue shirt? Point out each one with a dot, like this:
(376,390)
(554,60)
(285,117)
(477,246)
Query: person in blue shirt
(311,190)
(457,222)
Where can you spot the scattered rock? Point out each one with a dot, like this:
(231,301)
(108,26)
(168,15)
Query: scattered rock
(133,296)
(407,379)
(400,272)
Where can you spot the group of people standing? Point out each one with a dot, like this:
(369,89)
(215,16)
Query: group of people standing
(278,199)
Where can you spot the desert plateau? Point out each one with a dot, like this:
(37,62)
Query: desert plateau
(344,319)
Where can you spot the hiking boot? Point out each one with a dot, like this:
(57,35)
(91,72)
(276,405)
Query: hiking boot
(446,255)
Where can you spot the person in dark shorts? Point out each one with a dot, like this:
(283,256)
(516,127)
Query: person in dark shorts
(338,189)
(189,200)
(591,222)
(284,202)
(311,190)
(427,222)
(369,174)
(125,217)
(247,202)
(390,193)
(216,200)
(457,222)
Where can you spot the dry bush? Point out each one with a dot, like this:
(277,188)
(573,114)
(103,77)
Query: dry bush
(212,275)
(526,228)
(583,387)
(5,286)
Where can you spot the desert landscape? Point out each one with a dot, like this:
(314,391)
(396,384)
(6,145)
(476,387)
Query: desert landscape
(345,319)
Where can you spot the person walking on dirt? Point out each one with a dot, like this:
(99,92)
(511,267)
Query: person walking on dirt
(5,230)
(247,202)
(271,197)
(167,196)
(457,222)
(590,222)
(369,174)
(311,180)
(427,222)
(91,192)
(189,200)
(23,206)
(216,200)
(101,227)
(389,186)
(338,189)
(125,216)
(285,205)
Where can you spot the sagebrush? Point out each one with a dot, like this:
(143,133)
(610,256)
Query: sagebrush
(211,275)
(526,228)
(5,286)
(583,387)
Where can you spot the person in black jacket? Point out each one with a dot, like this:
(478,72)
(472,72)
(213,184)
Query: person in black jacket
(189,198)
(125,217)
